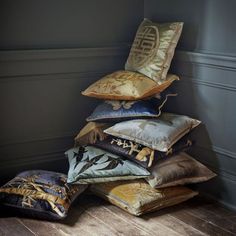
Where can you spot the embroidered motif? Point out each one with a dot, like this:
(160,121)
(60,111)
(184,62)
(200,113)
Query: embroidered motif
(134,147)
(99,165)
(143,154)
(144,47)
(116,105)
(112,163)
(32,190)
(89,163)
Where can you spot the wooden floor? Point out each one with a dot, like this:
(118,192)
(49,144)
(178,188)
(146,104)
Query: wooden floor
(93,216)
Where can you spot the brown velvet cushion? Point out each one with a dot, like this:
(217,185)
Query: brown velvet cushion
(178,170)
(137,197)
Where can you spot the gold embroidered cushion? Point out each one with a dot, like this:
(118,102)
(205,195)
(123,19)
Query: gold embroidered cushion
(153,49)
(127,85)
(91,133)
(137,197)
(178,170)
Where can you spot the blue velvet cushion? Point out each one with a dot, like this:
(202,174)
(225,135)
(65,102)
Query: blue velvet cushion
(39,193)
(114,110)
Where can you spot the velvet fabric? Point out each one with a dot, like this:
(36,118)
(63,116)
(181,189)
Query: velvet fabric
(91,133)
(115,111)
(93,165)
(137,197)
(179,169)
(39,193)
(138,153)
(127,85)
(159,134)
(151,53)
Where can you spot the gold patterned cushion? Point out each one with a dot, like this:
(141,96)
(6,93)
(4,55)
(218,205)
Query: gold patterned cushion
(126,85)
(137,197)
(153,49)
(91,133)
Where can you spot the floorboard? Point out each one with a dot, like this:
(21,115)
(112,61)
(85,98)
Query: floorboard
(12,226)
(92,216)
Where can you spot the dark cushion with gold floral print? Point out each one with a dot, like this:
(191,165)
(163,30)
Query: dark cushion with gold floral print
(39,193)
(138,153)
(115,110)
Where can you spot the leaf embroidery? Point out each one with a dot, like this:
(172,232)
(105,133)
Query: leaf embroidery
(31,191)
(79,155)
(90,163)
(146,154)
(113,163)
(133,147)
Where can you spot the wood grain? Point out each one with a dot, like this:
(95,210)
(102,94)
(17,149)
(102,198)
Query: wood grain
(11,226)
(92,216)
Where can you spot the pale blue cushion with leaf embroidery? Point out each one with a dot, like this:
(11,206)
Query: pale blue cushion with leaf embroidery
(93,165)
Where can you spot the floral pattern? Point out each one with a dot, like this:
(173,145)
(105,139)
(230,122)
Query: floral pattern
(138,197)
(127,85)
(42,193)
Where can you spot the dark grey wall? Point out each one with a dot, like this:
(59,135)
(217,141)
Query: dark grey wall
(51,51)
(29,24)
(206,63)
(209,24)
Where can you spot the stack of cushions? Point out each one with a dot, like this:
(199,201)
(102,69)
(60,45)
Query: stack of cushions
(130,151)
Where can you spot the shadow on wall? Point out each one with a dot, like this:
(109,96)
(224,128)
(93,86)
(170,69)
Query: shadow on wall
(192,101)
(194,18)
(207,89)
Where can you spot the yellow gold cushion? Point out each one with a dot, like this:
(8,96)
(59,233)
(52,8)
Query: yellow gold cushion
(153,48)
(127,85)
(137,197)
(91,133)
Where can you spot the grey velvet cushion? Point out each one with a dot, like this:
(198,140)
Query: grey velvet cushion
(159,134)
(178,170)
